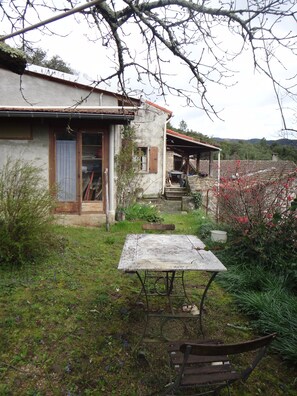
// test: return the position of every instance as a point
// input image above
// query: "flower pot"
(218, 236)
(120, 215)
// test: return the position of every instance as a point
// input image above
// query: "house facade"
(73, 132)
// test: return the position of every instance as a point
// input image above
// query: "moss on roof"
(12, 59)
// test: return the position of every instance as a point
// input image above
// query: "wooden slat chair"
(209, 366)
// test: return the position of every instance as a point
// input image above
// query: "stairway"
(175, 193)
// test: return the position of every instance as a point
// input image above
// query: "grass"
(69, 324)
(268, 300)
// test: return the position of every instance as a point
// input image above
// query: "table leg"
(169, 279)
(202, 301)
(184, 288)
(144, 291)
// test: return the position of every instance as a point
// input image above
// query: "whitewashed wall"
(150, 125)
(35, 150)
(38, 91)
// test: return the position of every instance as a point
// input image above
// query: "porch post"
(218, 187)
(210, 169)
(164, 159)
(111, 155)
(198, 163)
(187, 164)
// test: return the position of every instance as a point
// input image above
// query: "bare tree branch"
(151, 42)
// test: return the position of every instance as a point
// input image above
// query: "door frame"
(78, 206)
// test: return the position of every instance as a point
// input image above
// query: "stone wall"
(207, 187)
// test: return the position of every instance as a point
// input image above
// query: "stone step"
(175, 193)
(182, 189)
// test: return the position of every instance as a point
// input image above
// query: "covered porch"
(183, 159)
(189, 152)
(184, 173)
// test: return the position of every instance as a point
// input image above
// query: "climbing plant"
(127, 165)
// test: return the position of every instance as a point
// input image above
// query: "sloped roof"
(159, 107)
(263, 169)
(179, 143)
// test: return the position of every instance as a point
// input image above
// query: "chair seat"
(218, 376)
(177, 359)
(203, 370)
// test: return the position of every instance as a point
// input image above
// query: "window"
(15, 130)
(143, 157)
(148, 159)
(92, 166)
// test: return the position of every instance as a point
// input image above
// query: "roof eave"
(66, 115)
(193, 142)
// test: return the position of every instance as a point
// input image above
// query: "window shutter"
(153, 164)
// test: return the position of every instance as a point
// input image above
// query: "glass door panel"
(92, 166)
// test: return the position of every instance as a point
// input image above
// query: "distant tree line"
(38, 56)
(244, 149)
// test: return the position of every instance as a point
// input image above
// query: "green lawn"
(69, 324)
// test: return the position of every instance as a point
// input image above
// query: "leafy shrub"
(262, 214)
(25, 213)
(197, 197)
(145, 212)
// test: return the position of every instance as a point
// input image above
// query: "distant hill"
(282, 142)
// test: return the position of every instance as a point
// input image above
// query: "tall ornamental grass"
(274, 310)
(267, 297)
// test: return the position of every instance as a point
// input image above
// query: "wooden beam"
(158, 226)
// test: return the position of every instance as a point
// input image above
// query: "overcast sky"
(247, 110)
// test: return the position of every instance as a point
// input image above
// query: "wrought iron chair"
(207, 367)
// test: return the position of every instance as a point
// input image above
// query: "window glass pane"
(92, 139)
(92, 166)
(142, 154)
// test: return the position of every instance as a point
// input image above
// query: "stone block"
(187, 204)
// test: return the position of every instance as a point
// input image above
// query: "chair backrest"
(227, 349)
(258, 345)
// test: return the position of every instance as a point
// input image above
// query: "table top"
(157, 252)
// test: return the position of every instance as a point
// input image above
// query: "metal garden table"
(165, 259)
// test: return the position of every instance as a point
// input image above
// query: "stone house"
(73, 131)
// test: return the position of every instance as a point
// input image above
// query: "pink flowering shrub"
(261, 209)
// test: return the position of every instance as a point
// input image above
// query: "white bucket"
(218, 236)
